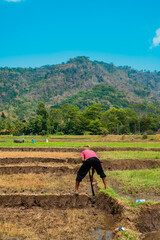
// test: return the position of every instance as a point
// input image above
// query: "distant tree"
(19, 127)
(56, 120)
(42, 118)
(95, 127)
(145, 123)
(3, 116)
(42, 111)
(94, 111)
(71, 115)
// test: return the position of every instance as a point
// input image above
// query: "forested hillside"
(79, 81)
(102, 93)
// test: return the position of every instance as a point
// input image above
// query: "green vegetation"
(105, 94)
(80, 82)
(68, 119)
(130, 155)
(136, 182)
(110, 191)
(82, 141)
(127, 235)
(80, 96)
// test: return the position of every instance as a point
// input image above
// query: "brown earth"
(17, 160)
(26, 205)
(109, 204)
(74, 149)
(39, 224)
(62, 201)
(43, 203)
(37, 169)
(130, 164)
(70, 158)
(26, 154)
(45, 164)
(33, 207)
(41, 149)
(149, 218)
(31, 165)
(56, 183)
(142, 219)
(61, 166)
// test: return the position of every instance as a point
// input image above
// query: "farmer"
(89, 159)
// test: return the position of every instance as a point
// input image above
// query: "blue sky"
(40, 32)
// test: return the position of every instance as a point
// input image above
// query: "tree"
(3, 116)
(145, 123)
(56, 120)
(42, 118)
(94, 111)
(95, 127)
(42, 111)
(71, 116)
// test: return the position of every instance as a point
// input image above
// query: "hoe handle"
(91, 184)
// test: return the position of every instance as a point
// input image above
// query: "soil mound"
(37, 169)
(45, 201)
(75, 149)
(149, 218)
(130, 164)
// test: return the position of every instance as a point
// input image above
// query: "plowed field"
(39, 154)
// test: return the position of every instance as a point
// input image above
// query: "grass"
(80, 144)
(9, 230)
(130, 154)
(50, 224)
(41, 184)
(127, 235)
(76, 141)
(42, 164)
(110, 191)
(135, 182)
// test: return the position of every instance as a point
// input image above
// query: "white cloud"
(156, 39)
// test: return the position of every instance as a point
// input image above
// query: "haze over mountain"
(79, 81)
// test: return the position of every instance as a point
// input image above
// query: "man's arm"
(82, 157)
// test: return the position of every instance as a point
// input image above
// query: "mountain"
(102, 93)
(79, 81)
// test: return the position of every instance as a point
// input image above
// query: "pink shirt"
(88, 154)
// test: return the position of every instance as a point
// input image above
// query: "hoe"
(93, 194)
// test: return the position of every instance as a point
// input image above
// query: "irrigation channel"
(35, 195)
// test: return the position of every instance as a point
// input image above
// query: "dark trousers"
(84, 169)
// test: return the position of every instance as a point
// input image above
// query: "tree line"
(69, 119)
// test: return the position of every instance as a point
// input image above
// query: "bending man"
(89, 159)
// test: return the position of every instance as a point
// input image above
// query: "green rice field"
(74, 141)
(129, 155)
